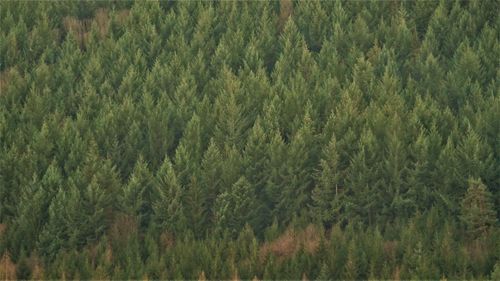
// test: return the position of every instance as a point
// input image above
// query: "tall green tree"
(236, 207)
(168, 210)
(136, 197)
(477, 209)
(328, 193)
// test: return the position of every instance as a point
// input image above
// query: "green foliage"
(235, 207)
(326, 196)
(477, 209)
(168, 210)
(163, 140)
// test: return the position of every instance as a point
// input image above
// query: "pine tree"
(466, 70)
(487, 52)
(168, 211)
(420, 172)
(395, 167)
(363, 78)
(267, 40)
(312, 20)
(255, 86)
(327, 195)
(189, 152)
(423, 13)
(33, 211)
(255, 159)
(231, 122)
(61, 230)
(136, 197)
(448, 179)
(364, 201)
(235, 207)
(477, 209)
(295, 59)
(196, 207)
(475, 158)
(298, 181)
(211, 176)
(351, 265)
(360, 33)
(95, 203)
(275, 169)
(232, 165)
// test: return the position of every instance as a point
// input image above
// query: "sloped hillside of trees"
(249, 139)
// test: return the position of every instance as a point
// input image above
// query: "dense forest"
(250, 140)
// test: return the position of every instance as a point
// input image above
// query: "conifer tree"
(363, 182)
(235, 207)
(255, 159)
(61, 229)
(351, 265)
(312, 19)
(474, 158)
(297, 177)
(395, 166)
(33, 210)
(294, 56)
(231, 123)
(136, 197)
(168, 211)
(196, 207)
(419, 172)
(95, 203)
(189, 152)
(477, 209)
(327, 195)
(211, 175)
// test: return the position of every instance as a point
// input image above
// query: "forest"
(250, 140)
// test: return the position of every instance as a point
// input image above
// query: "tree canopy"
(248, 139)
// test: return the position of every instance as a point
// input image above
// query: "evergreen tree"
(211, 176)
(33, 212)
(61, 229)
(196, 207)
(168, 211)
(132, 131)
(297, 178)
(231, 123)
(136, 197)
(364, 201)
(478, 212)
(189, 152)
(235, 207)
(95, 203)
(327, 195)
(312, 19)
(255, 159)
(351, 270)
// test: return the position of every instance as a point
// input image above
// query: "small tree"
(478, 212)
